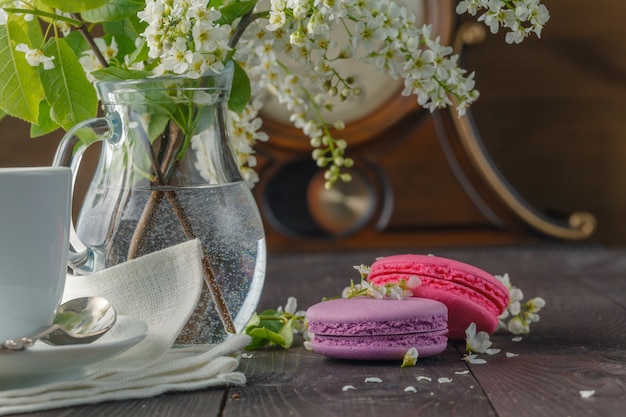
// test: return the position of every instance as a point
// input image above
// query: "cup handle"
(82, 259)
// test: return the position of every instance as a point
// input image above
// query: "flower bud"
(339, 125)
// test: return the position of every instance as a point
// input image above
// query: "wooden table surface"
(579, 345)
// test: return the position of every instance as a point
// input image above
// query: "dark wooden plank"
(302, 383)
(579, 344)
(547, 377)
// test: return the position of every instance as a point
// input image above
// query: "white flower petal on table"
(587, 393)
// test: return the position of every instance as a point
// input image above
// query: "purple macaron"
(367, 328)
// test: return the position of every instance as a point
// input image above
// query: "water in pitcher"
(223, 217)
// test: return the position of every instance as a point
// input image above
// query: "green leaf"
(74, 6)
(71, 95)
(234, 11)
(77, 42)
(240, 92)
(21, 90)
(117, 73)
(268, 335)
(271, 327)
(125, 46)
(140, 54)
(35, 34)
(286, 333)
(114, 10)
(130, 27)
(45, 124)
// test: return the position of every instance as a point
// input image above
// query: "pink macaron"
(471, 294)
(366, 328)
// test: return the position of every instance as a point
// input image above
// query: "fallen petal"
(587, 393)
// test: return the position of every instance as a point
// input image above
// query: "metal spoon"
(78, 321)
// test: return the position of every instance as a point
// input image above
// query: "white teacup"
(34, 236)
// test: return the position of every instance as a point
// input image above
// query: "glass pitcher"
(167, 174)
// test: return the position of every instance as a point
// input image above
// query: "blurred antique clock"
(419, 178)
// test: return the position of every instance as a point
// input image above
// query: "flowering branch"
(82, 28)
(188, 38)
(520, 314)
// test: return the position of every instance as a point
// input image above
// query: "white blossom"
(519, 314)
(35, 57)
(474, 359)
(587, 393)
(187, 38)
(476, 342)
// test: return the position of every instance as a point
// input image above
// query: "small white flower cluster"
(184, 36)
(244, 134)
(17, 5)
(394, 291)
(90, 61)
(522, 313)
(298, 323)
(189, 38)
(35, 57)
(522, 17)
(476, 343)
(291, 307)
(385, 36)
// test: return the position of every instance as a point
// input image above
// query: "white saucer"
(43, 363)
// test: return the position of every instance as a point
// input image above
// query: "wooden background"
(552, 114)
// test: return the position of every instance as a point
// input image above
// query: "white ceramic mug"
(34, 235)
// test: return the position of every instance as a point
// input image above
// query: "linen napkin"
(162, 289)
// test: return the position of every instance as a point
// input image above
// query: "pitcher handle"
(82, 259)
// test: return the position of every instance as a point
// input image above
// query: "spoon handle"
(27, 341)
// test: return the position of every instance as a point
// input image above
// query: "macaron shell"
(471, 294)
(392, 347)
(461, 312)
(444, 270)
(367, 328)
(369, 316)
(445, 287)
